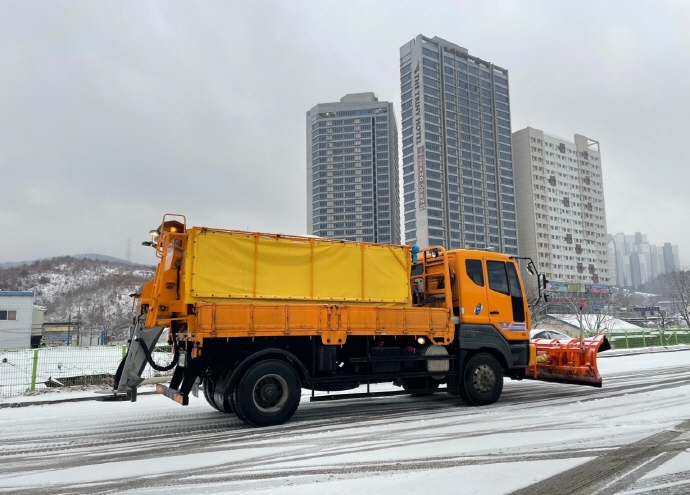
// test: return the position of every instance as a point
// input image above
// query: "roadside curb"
(4, 405)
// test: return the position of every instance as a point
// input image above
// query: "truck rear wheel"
(221, 393)
(209, 387)
(482, 380)
(268, 393)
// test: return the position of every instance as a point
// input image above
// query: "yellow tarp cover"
(243, 265)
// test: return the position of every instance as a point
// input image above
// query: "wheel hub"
(484, 379)
(270, 393)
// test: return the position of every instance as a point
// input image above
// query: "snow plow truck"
(255, 318)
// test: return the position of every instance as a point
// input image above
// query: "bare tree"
(110, 320)
(676, 287)
(620, 301)
(538, 307)
(594, 312)
(594, 316)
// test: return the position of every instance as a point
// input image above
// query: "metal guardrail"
(27, 371)
(634, 339)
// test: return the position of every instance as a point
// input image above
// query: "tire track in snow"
(610, 473)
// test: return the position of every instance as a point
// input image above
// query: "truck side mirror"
(542, 281)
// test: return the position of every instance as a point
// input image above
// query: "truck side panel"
(226, 265)
(332, 323)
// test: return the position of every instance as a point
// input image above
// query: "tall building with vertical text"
(458, 188)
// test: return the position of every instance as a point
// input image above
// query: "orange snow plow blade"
(568, 362)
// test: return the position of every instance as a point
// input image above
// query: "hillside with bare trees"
(91, 291)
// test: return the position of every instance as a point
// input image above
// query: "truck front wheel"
(268, 393)
(482, 380)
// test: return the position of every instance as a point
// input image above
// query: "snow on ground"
(590, 321)
(393, 445)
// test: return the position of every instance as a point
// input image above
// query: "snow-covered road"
(631, 436)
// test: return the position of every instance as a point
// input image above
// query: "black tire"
(221, 393)
(419, 383)
(232, 400)
(209, 387)
(482, 380)
(268, 393)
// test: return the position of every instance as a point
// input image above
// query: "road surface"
(631, 436)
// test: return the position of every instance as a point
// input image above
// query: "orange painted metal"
(333, 323)
(573, 361)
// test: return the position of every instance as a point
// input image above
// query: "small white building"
(16, 317)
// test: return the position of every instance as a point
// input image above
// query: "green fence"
(25, 371)
(637, 338)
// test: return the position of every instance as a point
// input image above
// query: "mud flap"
(135, 360)
(573, 361)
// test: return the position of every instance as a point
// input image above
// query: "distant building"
(561, 208)
(62, 333)
(636, 261)
(458, 187)
(16, 314)
(37, 319)
(671, 258)
(352, 170)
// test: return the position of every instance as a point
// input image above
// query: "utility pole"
(78, 324)
(582, 338)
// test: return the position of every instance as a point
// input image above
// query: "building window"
(430, 53)
(8, 315)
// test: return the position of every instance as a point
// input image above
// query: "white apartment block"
(561, 213)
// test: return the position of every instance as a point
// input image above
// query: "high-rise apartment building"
(458, 187)
(561, 210)
(352, 170)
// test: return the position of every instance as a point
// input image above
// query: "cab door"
(474, 307)
(505, 296)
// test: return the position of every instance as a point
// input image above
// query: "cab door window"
(498, 280)
(516, 294)
(475, 271)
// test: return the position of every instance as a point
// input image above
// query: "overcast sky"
(114, 113)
